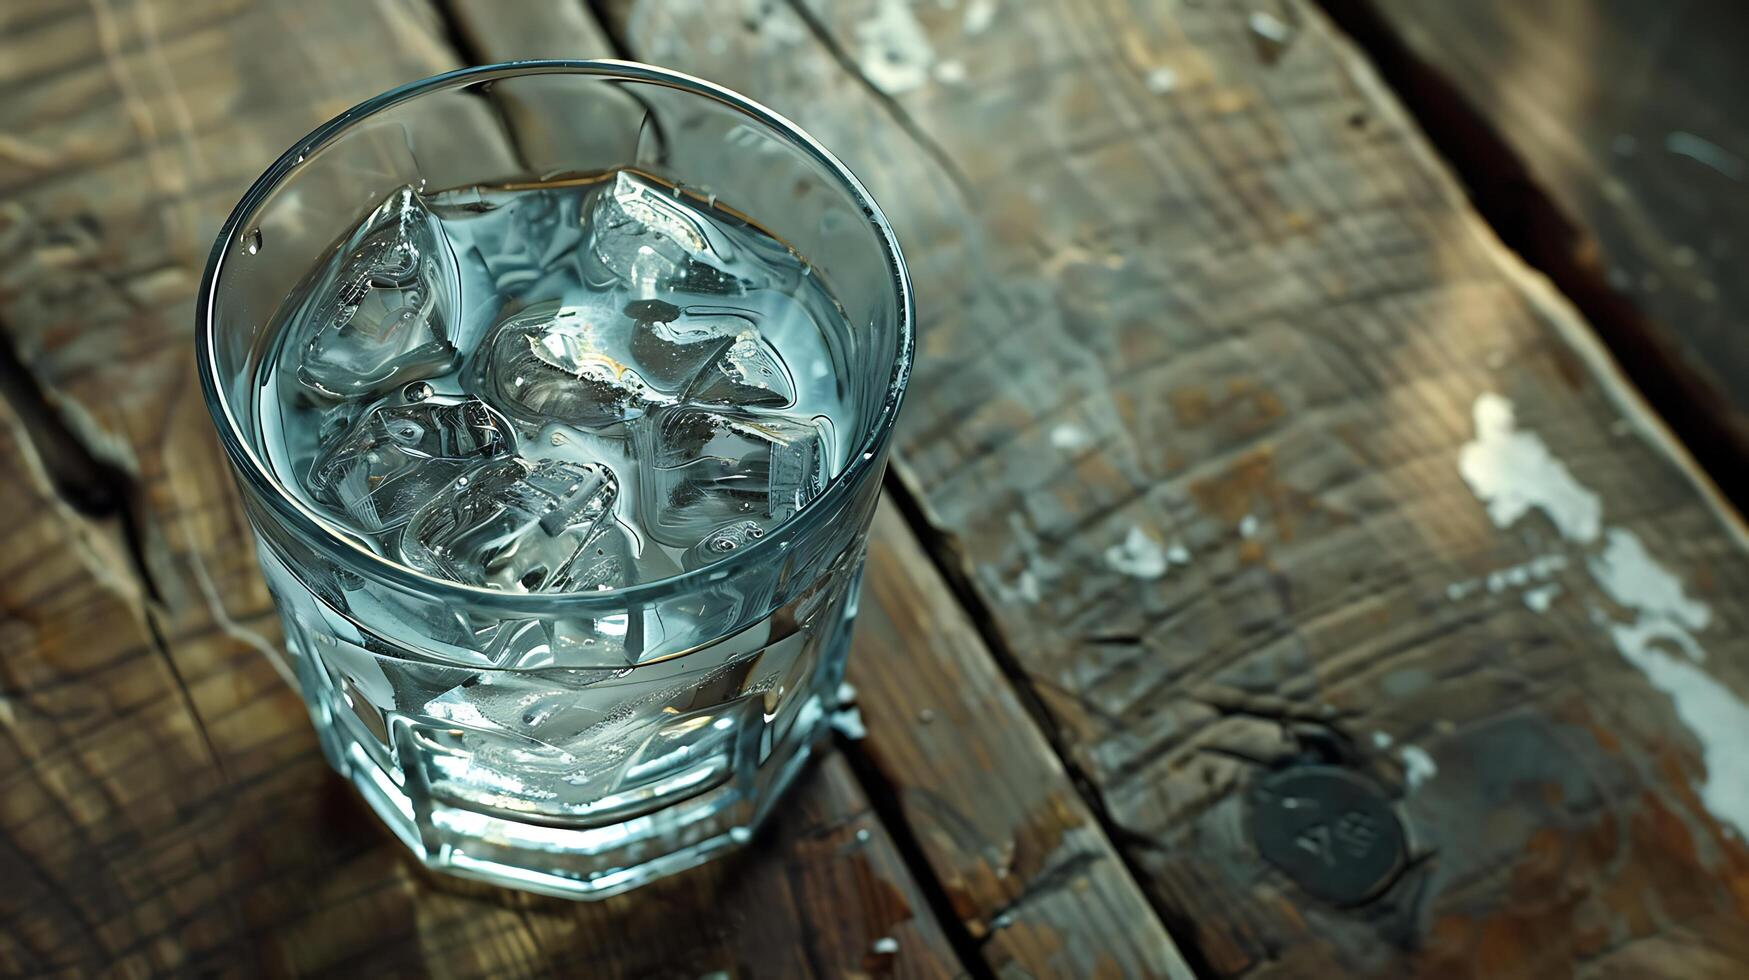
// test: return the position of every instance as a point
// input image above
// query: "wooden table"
(1243, 467)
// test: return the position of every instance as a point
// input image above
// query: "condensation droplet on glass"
(252, 241)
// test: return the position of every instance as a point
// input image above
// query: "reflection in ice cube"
(649, 237)
(564, 363)
(512, 525)
(384, 314)
(394, 457)
(747, 373)
(672, 348)
(704, 468)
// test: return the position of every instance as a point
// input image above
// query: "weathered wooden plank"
(516, 32)
(1628, 116)
(1266, 459)
(1025, 865)
(1024, 862)
(165, 809)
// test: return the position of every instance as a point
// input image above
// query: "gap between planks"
(880, 792)
(1529, 223)
(879, 789)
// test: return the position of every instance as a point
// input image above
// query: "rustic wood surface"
(165, 807)
(1237, 448)
(1631, 117)
(1210, 342)
(1032, 880)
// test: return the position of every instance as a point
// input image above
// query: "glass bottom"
(575, 782)
(574, 862)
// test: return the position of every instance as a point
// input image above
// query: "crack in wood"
(884, 800)
(95, 488)
(938, 546)
(1058, 876)
(610, 27)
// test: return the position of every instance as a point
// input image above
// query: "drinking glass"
(683, 706)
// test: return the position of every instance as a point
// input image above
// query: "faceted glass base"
(576, 782)
(575, 862)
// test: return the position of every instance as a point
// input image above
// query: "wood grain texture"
(1630, 117)
(1026, 868)
(165, 810)
(1025, 863)
(1209, 343)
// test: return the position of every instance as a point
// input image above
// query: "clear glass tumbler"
(684, 705)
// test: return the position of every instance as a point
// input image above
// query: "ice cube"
(562, 363)
(549, 710)
(670, 347)
(704, 468)
(712, 355)
(748, 373)
(393, 457)
(512, 525)
(540, 643)
(611, 561)
(384, 315)
(652, 237)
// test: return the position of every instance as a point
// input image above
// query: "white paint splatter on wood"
(1513, 472)
(1418, 766)
(1248, 526)
(1038, 571)
(1630, 576)
(1540, 598)
(1161, 80)
(1069, 436)
(1514, 576)
(779, 30)
(980, 14)
(895, 54)
(848, 723)
(886, 944)
(1270, 27)
(1138, 556)
(1716, 716)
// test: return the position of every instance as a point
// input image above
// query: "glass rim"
(335, 544)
